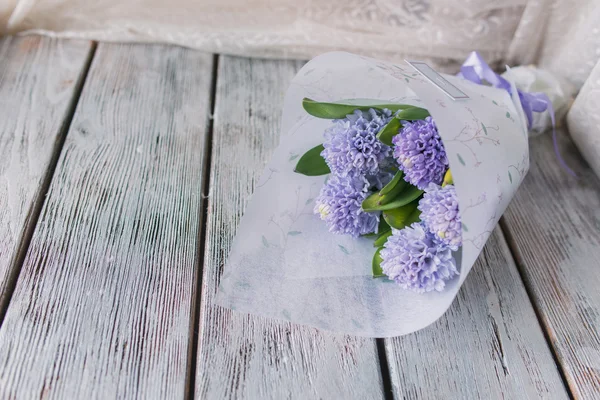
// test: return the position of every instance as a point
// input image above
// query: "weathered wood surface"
(553, 226)
(105, 300)
(103, 304)
(488, 345)
(38, 80)
(244, 356)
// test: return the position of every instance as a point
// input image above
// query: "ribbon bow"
(476, 70)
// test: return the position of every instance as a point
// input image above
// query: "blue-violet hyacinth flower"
(417, 260)
(439, 213)
(351, 144)
(339, 205)
(420, 152)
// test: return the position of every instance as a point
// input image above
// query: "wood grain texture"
(103, 304)
(243, 356)
(488, 345)
(553, 226)
(38, 77)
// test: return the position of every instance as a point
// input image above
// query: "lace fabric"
(442, 32)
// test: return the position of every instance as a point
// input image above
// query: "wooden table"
(124, 172)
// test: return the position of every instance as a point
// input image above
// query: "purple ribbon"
(476, 70)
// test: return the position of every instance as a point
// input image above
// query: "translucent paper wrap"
(285, 264)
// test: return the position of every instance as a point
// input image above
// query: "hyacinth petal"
(440, 214)
(416, 260)
(351, 145)
(420, 153)
(339, 205)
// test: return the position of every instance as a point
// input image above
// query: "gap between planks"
(512, 247)
(384, 366)
(195, 312)
(36, 207)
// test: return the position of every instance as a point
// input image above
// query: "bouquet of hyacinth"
(389, 179)
(374, 229)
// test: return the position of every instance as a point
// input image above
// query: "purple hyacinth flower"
(351, 144)
(339, 204)
(417, 260)
(439, 213)
(420, 153)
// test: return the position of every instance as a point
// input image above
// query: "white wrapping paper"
(285, 264)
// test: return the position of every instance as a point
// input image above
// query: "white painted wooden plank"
(553, 226)
(38, 77)
(243, 356)
(103, 304)
(488, 345)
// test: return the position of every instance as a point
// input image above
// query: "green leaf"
(377, 200)
(507, 114)
(460, 159)
(464, 227)
(386, 133)
(294, 233)
(510, 176)
(377, 271)
(484, 129)
(311, 163)
(413, 113)
(393, 194)
(373, 202)
(380, 241)
(340, 110)
(383, 227)
(293, 157)
(265, 242)
(400, 217)
(386, 189)
(407, 196)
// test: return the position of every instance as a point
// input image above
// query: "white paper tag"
(438, 80)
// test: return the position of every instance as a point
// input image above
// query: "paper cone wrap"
(285, 264)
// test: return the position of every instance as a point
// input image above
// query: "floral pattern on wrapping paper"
(474, 133)
(285, 221)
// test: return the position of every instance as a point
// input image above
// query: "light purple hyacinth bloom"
(439, 213)
(339, 205)
(417, 260)
(420, 153)
(351, 144)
